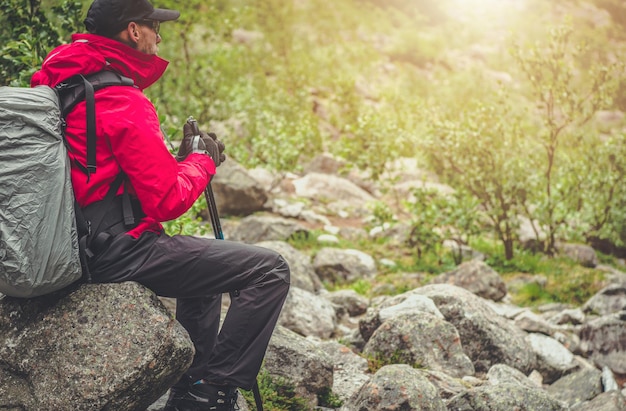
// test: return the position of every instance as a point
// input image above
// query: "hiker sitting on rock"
(124, 37)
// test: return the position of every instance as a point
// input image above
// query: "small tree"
(603, 209)
(436, 217)
(567, 97)
(482, 151)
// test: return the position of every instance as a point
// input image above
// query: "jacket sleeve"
(165, 188)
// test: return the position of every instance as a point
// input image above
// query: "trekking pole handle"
(208, 192)
(194, 126)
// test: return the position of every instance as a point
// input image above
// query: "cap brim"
(163, 15)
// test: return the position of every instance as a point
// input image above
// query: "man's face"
(149, 39)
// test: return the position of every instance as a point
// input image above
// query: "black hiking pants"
(197, 271)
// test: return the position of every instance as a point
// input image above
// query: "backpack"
(43, 233)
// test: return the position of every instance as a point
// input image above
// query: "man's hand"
(203, 143)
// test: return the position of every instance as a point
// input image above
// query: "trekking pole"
(217, 230)
(208, 192)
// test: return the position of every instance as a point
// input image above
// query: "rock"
(577, 387)
(349, 301)
(476, 277)
(95, 347)
(412, 303)
(608, 380)
(487, 338)
(308, 314)
(609, 300)
(462, 251)
(608, 401)
(325, 163)
(581, 253)
(236, 191)
(574, 316)
(350, 370)
(406, 303)
(553, 359)
(503, 374)
(504, 397)
(300, 362)
(396, 387)
(506, 310)
(257, 228)
(532, 323)
(325, 186)
(302, 273)
(603, 340)
(420, 339)
(447, 386)
(337, 265)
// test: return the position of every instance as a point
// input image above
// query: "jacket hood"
(90, 53)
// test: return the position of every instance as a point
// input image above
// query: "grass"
(277, 394)
(562, 280)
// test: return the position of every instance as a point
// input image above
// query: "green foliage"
(329, 399)
(277, 393)
(361, 286)
(601, 213)
(567, 283)
(190, 223)
(437, 217)
(372, 139)
(381, 215)
(566, 101)
(523, 261)
(27, 34)
(482, 151)
(378, 360)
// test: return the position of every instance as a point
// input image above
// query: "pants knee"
(281, 269)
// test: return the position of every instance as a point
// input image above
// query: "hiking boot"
(203, 397)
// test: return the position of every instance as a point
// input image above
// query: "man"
(124, 37)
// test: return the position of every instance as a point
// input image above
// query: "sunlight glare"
(489, 12)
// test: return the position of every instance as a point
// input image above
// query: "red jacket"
(129, 138)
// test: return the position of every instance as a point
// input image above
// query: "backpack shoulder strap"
(78, 88)
(74, 90)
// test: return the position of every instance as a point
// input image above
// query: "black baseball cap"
(109, 17)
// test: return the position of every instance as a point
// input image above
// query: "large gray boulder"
(553, 359)
(236, 191)
(95, 347)
(421, 339)
(603, 341)
(336, 265)
(609, 300)
(608, 401)
(308, 314)
(300, 266)
(581, 253)
(300, 362)
(257, 228)
(389, 307)
(396, 387)
(577, 387)
(505, 397)
(351, 370)
(477, 277)
(487, 338)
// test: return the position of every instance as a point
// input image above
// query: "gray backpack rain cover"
(38, 239)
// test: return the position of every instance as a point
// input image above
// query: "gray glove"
(204, 143)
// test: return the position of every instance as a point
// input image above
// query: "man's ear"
(130, 35)
(133, 31)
